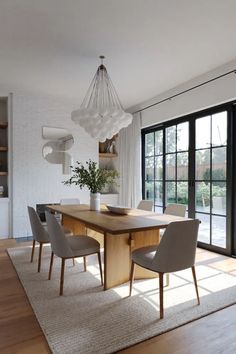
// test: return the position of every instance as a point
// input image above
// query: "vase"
(95, 201)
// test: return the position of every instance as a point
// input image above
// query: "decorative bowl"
(118, 209)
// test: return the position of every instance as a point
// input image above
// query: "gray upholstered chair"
(175, 209)
(175, 252)
(40, 234)
(69, 247)
(145, 205)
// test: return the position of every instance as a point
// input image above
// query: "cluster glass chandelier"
(101, 113)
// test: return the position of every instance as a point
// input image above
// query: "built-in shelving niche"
(4, 145)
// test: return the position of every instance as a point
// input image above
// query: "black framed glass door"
(188, 161)
(211, 178)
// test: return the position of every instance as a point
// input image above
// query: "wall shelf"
(3, 148)
(3, 173)
(107, 155)
(3, 125)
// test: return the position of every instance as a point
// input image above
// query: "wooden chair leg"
(131, 278)
(51, 264)
(40, 255)
(161, 294)
(32, 253)
(100, 265)
(195, 283)
(85, 265)
(62, 275)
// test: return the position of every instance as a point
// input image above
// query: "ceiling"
(52, 46)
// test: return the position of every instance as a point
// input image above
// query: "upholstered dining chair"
(40, 234)
(175, 252)
(69, 247)
(175, 209)
(145, 205)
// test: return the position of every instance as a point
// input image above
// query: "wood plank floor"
(20, 332)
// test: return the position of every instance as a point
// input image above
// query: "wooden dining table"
(118, 234)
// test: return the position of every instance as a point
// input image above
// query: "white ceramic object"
(95, 201)
(119, 209)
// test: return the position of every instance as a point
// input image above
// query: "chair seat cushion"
(144, 256)
(83, 245)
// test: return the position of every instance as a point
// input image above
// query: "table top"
(104, 220)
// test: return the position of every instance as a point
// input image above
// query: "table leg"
(116, 260)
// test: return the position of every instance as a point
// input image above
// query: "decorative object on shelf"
(101, 113)
(1, 191)
(92, 177)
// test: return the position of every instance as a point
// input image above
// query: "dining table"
(118, 234)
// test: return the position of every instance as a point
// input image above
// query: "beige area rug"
(89, 320)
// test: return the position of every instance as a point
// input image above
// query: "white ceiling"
(52, 46)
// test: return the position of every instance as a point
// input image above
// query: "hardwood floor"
(20, 332)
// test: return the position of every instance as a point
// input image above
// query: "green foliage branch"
(91, 176)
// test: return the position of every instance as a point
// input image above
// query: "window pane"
(203, 165)
(219, 198)
(158, 210)
(149, 190)
(203, 132)
(182, 165)
(202, 197)
(219, 129)
(170, 192)
(149, 168)
(171, 139)
(219, 231)
(158, 193)
(219, 163)
(149, 144)
(182, 193)
(158, 167)
(159, 142)
(182, 137)
(170, 166)
(204, 228)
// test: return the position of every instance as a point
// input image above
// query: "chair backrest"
(59, 243)
(40, 234)
(68, 201)
(175, 209)
(177, 248)
(145, 205)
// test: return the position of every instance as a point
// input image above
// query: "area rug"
(89, 320)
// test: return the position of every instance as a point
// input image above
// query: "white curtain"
(129, 152)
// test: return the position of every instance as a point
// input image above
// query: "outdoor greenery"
(91, 176)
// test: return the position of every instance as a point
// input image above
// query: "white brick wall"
(34, 179)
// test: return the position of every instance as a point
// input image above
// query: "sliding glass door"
(187, 161)
(211, 178)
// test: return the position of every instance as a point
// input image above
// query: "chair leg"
(85, 265)
(195, 283)
(32, 253)
(73, 260)
(62, 275)
(100, 265)
(40, 255)
(51, 264)
(131, 278)
(161, 294)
